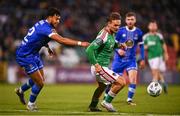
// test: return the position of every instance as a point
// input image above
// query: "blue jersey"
(131, 38)
(36, 38)
(27, 54)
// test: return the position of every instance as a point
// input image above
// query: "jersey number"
(30, 32)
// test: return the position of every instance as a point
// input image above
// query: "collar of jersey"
(46, 21)
(134, 28)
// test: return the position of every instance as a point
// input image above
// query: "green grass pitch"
(73, 99)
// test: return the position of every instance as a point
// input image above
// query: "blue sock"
(34, 93)
(27, 85)
(107, 88)
(131, 91)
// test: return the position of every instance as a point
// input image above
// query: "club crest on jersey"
(129, 43)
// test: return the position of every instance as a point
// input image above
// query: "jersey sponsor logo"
(151, 43)
(129, 43)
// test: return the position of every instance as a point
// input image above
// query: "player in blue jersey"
(125, 59)
(27, 54)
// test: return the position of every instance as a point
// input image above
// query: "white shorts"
(106, 76)
(157, 63)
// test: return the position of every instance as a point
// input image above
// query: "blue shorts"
(119, 67)
(30, 63)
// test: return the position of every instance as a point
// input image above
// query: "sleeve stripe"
(51, 34)
(145, 36)
(103, 35)
(160, 35)
(141, 43)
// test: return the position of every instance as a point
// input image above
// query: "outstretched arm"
(68, 41)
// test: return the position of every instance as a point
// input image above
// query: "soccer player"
(157, 53)
(28, 58)
(99, 54)
(125, 59)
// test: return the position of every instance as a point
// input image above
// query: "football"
(154, 89)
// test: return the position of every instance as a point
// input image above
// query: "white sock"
(111, 94)
(20, 90)
(30, 103)
(129, 99)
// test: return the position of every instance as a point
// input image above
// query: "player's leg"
(115, 88)
(42, 72)
(97, 93)
(107, 90)
(20, 91)
(95, 98)
(39, 79)
(132, 86)
(162, 69)
(118, 82)
(155, 74)
(154, 65)
(163, 83)
(36, 88)
(117, 67)
(24, 63)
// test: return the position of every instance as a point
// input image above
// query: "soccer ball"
(154, 89)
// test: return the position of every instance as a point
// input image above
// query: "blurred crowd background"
(82, 19)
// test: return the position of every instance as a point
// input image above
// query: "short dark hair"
(114, 16)
(153, 21)
(129, 14)
(52, 11)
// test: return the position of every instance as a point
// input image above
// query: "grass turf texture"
(73, 99)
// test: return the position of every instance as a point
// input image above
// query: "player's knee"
(101, 87)
(121, 82)
(40, 84)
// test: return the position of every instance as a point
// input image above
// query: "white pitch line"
(83, 113)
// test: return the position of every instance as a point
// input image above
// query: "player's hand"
(51, 52)
(142, 64)
(97, 68)
(121, 52)
(123, 46)
(166, 56)
(85, 44)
